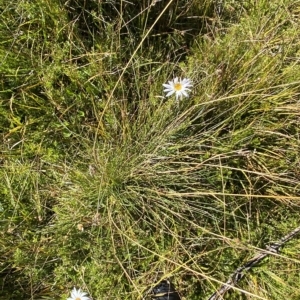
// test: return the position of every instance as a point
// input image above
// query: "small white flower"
(78, 295)
(178, 86)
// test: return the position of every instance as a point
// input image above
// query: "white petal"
(170, 93)
(167, 85)
(74, 294)
(185, 93)
(187, 82)
(177, 96)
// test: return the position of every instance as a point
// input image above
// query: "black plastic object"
(165, 290)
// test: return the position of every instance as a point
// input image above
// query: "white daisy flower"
(78, 295)
(178, 86)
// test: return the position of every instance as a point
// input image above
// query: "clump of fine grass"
(110, 187)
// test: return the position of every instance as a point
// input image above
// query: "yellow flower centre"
(78, 298)
(178, 86)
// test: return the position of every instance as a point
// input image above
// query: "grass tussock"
(110, 187)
